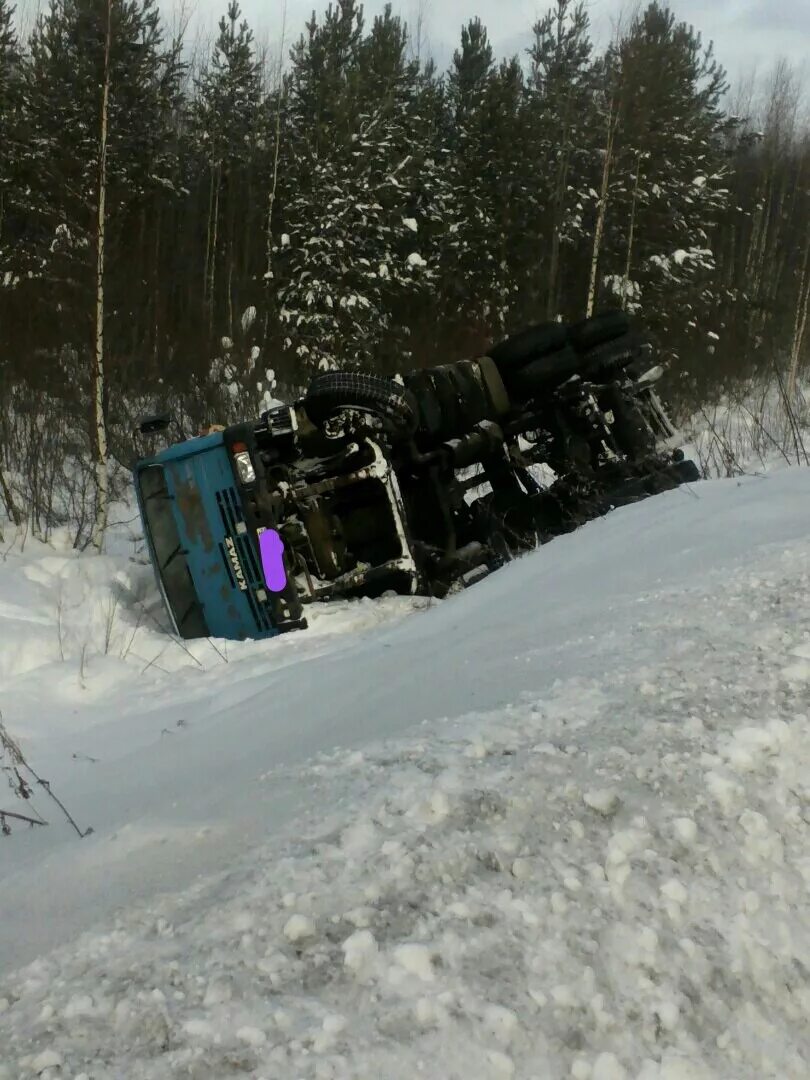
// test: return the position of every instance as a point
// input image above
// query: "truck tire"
(529, 344)
(603, 327)
(688, 472)
(609, 356)
(545, 372)
(475, 405)
(334, 391)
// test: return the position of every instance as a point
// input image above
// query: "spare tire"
(475, 405)
(545, 373)
(612, 355)
(334, 391)
(527, 345)
(603, 327)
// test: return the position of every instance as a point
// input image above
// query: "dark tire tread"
(327, 394)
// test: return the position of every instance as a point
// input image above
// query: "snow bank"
(757, 429)
(598, 867)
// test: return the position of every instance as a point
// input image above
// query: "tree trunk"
(271, 200)
(800, 324)
(8, 499)
(99, 433)
(558, 204)
(630, 235)
(212, 269)
(600, 217)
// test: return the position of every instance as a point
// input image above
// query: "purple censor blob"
(271, 547)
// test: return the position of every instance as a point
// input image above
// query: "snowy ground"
(554, 826)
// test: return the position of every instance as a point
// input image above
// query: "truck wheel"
(475, 404)
(612, 355)
(541, 374)
(604, 327)
(688, 472)
(335, 391)
(536, 341)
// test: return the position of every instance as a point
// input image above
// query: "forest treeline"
(204, 232)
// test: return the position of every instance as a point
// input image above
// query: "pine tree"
(668, 188)
(227, 127)
(357, 183)
(561, 105)
(10, 99)
(471, 284)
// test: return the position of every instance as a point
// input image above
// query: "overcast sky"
(746, 33)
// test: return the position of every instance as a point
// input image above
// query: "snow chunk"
(669, 1015)
(48, 1059)
(435, 809)
(299, 928)
(218, 992)
(798, 672)
(675, 891)
(252, 1036)
(747, 748)
(334, 1024)
(79, 1005)
(415, 259)
(199, 1029)
(608, 1067)
(726, 791)
(674, 1067)
(685, 830)
(416, 960)
(502, 1065)
(359, 950)
(410, 223)
(605, 801)
(502, 1022)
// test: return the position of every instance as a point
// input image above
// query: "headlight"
(244, 466)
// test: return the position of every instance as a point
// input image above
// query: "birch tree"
(99, 445)
(99, 88)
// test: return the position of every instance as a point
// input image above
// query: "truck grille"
(169, 554)
(233, 521)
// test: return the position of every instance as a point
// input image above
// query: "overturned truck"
(417, 484)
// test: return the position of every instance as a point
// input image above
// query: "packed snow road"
(554, 826)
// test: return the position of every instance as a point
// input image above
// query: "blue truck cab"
(202, 523)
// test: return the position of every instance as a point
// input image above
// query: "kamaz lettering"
(236, 566)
